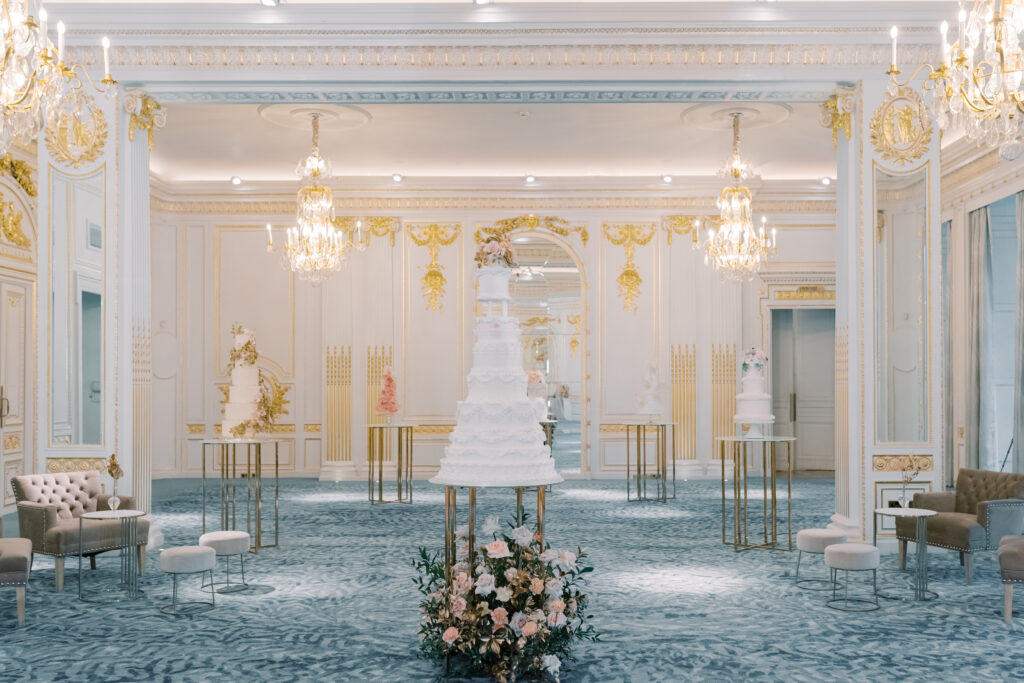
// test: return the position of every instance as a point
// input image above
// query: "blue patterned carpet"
(671, 602)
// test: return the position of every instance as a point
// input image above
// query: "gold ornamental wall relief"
(20, 171)
(629, 236)
(836, 113)
(79, 138)
(433, 236)
(552, 224)
(10, 225)
(144, 113)
(901, 128)
(372, 226)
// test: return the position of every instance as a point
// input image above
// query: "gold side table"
(378, 448)
(742, 451)
(549, 432)
(637, 474)
(225, 451)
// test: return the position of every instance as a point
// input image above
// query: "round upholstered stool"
(228, 544)
(189, 559)
(815, 541)
(853, 557)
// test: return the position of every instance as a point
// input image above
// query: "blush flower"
(485, 584)
(536, 586)
(557, 606)
(554, 588)
(556, 619)
(500, 617)
(463, 582)
(510, 574)
(566, 561)
(498, 549)
(549, 555)
(503, 594)
(450, 635)
(530, 628)
(517, 622)
(459, 607)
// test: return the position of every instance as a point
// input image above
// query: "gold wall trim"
(806, 293)
(273, 429)
(836, 113)
(195, 429)
(311, 428)
(682, 226)
(433, 236)
(375, 226)
(629, 236)
(723, 392)
(433, 429)
(338, 400)
(21, 172)
(898, 463)
(901, 127)
(552, 224)
(614, 428)
(12, 442)
(145, 113)
(61, 465)
(684, 400)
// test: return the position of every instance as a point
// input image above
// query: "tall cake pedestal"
(756, 430)
(742, 451)
(378, 448)
(224, 454)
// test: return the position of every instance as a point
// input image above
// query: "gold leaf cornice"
(433, 236)
(552, 224)
(145, 113)
(20, 171)
(629, 236)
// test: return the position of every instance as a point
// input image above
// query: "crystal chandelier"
(977, 86)
(736, 249)
(37, 84)
(316, 247)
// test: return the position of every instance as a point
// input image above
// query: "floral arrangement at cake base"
(517, 614)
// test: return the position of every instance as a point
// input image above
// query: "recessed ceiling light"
(826, 181)
(482, 2)
(397, 177)
(530, 179)
(270, 3)
(235, 180)
(666, 179)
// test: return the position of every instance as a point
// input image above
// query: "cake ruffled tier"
(492, 283)
(754, 404)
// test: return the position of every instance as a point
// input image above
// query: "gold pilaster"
(377, 359)
(684, 400)
(723, 390)
(338, 408)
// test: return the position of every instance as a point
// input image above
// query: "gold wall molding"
(379, 226)
(629, 236)
(10, 226)
(62, 465)
(574, 343)
(433, 429)
(537, 321)
(682, 226)
(723, 392)
(433, 236)
(836, 113)
(78, 141)
(311, 428)
(21, 172)
(12, 442)
(898, 463)
(338, 404)
(609, 201)
(145, 113)
(195, 429)
(552, 224)
(806, 293)
(684, 400)
(614, 428)
(901, 127)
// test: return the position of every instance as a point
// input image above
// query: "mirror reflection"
(547, 299)
(901, 308)
(77, 220)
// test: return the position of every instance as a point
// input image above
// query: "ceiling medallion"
(901, 128)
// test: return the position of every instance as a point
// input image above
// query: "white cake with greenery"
(497, 440)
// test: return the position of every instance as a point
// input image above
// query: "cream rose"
(498, 549)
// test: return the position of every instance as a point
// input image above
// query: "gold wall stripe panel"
(629, 236)
(338, 383)
(723, 392)
(684, 400)
(377, 359)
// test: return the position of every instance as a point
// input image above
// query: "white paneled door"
(16, 383)
(803, 383)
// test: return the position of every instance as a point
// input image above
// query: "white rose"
(462, 531)
(549, 555)
(554, 588)
(503, 594)
(556, 619)
(566, 561)
(522, 535)
(551, 664)
(484, 584)
(517, 621)
(510, 574)
(491, 525)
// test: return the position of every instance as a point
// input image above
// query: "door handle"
(792, 407)
(5, 407)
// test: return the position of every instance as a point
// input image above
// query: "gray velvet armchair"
(49, 506)
(984, 507)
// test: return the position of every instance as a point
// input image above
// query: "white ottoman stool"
(815, 541)
(853, 557)
(189, 559)
(228, 544)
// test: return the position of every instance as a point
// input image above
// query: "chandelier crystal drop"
(37, 84)
(316, 247)
(977, 86)
(736, 249)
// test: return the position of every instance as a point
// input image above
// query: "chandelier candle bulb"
(893, 33)
(60, 42)
(106, 58)
(42, 29)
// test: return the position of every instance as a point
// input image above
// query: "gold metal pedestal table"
(637, 472)
(378, 447)
(742, 452)
(225, 452)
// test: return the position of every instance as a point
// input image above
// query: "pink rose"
(450, 635)
(556, 619)
(459, 607)
(557, 606)
(463, 582)
(530, 628)
(497, 549)
(499, 617)
(536, 586)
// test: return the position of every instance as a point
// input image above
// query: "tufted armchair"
(984, 507)
(49, 506)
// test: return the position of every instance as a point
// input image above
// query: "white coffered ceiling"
(212, 142)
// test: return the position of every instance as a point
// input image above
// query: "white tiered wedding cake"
(244, 392)
(754, 404)
(497, 440)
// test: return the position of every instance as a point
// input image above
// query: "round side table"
(920, 516)
(129, 520)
